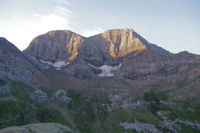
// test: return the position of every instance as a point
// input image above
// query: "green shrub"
(20, 89)
(154, 98)
(82, 110)
(20, 112)
(151, 96)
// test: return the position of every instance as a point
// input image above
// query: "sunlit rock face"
(55, 45)
(111, 46)
(105, 48)
(122, 42)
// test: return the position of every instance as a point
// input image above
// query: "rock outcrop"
(39, 128)
(14, 64)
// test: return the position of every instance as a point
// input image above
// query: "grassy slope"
(20, 110)
(88, 112)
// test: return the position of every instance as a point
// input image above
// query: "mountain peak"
(4, 43)
(54, 32)
(56, 45)
(3, 38)
(119, 30)
(122, 42)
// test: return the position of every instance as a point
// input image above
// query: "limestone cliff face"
(122, 42)
(105, 48)
(55, 45)
(111, 46)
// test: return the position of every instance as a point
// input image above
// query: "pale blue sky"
(171, 24)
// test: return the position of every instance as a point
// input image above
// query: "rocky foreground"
(39, 128)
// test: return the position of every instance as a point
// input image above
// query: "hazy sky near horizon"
(171, 24)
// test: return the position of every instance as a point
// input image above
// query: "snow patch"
(106, 71)
(46, 62)
(58, 65)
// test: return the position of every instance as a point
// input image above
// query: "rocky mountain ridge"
(109, 45)
(15, 65)
(59, 58)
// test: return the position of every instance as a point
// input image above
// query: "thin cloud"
(92, 32)
(22, 30)
(63, 1)
(62, 11)
(58, 19)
